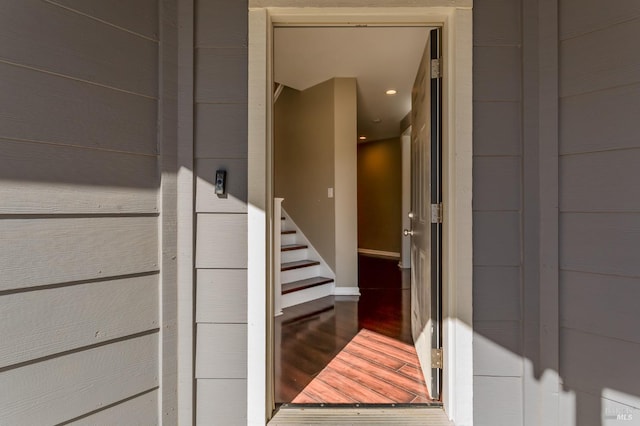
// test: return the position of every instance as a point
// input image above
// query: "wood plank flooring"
(372, 369)
(336, 340)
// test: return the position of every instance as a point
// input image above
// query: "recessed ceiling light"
(391, 92)
(362, 138)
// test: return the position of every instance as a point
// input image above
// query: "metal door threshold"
(371, 416)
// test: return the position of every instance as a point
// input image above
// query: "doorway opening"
(354, 328)
(455, 19)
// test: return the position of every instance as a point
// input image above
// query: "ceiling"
(380, 58)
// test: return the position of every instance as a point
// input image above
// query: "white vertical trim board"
(456, 20)
(259, 28)
(457, 231)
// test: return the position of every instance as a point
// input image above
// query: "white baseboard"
(379, 253)
(346, 291)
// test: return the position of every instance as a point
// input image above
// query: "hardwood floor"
(351, 336)
(373, 369)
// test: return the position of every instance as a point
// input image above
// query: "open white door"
(425, 216)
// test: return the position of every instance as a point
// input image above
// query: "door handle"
(407, 232)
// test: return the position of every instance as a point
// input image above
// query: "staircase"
(304, 276)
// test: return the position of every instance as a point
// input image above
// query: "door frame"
(455, 17)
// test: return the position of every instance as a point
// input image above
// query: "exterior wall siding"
(221, 243)
(497, 213)
(88, 130)
(599, 208)
(79, 241)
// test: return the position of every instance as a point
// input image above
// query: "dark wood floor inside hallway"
(352, 350)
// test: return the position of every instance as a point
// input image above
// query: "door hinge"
(436, 358)
(436, 213)
(436, 68)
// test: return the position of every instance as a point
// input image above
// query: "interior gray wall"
(380, 195)
(82, 188)
(304, 163)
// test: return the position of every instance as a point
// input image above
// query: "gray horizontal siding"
(85, 314)
(497, 348)
(605, 305)
(581, 362)
(219, 128)
(140, 410)
(495, 290)
(616, 64)
(68, 386)
(498, 183)
(497, 23)
(600, 222)
(497, 204)
(586, 409)
(496, 238)
(43, 107)
(594, 182)
(583, 116)
(496, 128)
(221, 241)
(602, 243)
(37, 252)
(579, 17)
(497, 401)
(221, 75)
(103, 54)
(86, 181)
(216, 29)
(221, 352)
(496, 73)
(222, 296)
(79, 179)
(222, 401)
(138, 17)
(235, 200)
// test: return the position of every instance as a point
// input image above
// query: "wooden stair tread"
(298, 264)
(290, 247)
(304, 284)
(291, 231)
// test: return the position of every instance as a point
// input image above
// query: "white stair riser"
(300, 274)
(307, 295)
(288, 239)
(294, 255)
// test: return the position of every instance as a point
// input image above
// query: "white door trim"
(456, 19)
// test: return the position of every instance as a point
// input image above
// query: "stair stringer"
(323, 269)
(290, 224)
